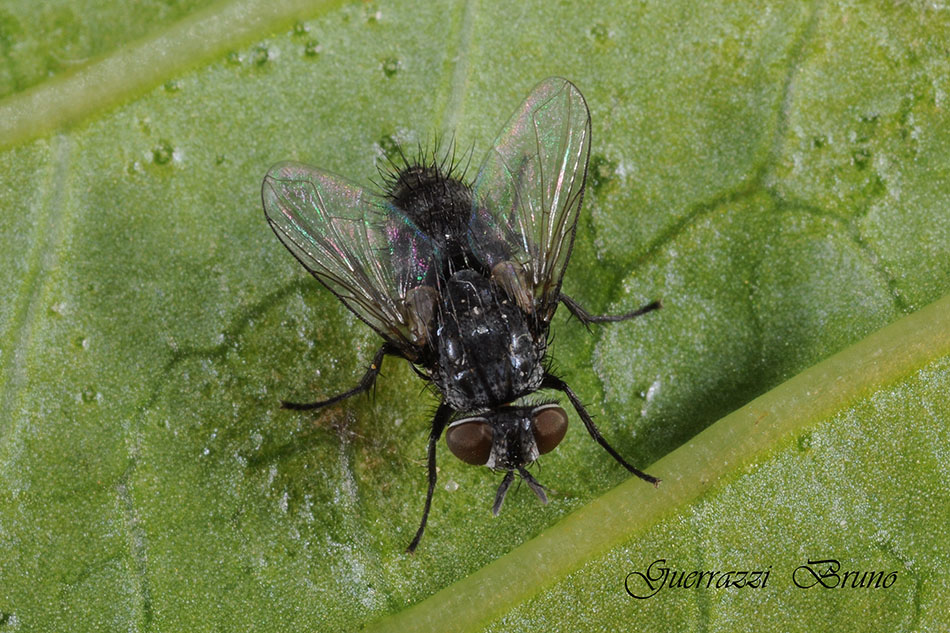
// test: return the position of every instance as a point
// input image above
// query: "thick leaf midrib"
(144, 64)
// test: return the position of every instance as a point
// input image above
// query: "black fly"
(461, 279)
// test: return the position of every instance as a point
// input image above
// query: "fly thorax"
(487, 354)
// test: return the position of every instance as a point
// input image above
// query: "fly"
(461, 279)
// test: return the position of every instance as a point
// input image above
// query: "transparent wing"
(354, 242)
(528, 190)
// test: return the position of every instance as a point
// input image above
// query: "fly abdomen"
(438, 204)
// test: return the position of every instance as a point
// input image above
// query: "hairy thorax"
(487, 353)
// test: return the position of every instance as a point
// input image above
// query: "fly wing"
(529, 189)
(354, 242)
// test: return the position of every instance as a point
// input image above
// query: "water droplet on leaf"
(312, 49)
(162, 153)
(390, 66)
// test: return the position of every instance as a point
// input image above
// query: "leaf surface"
(777, 174)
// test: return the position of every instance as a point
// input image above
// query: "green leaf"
(803, 473)
(777, 174)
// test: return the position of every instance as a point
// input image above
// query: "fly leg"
(442, 415)
(553, 382)
(365, 383)
(586, 318)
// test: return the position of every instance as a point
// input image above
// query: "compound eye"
(470, 440)
(548, 425)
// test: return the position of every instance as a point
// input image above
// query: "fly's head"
(508, 438)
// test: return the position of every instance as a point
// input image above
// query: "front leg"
(553, 382)
(365, 383)
(587, 318)
(442, 415)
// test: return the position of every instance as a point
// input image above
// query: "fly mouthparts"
(533, 483)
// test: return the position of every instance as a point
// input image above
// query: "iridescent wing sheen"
(354, 242)
(529, 189)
